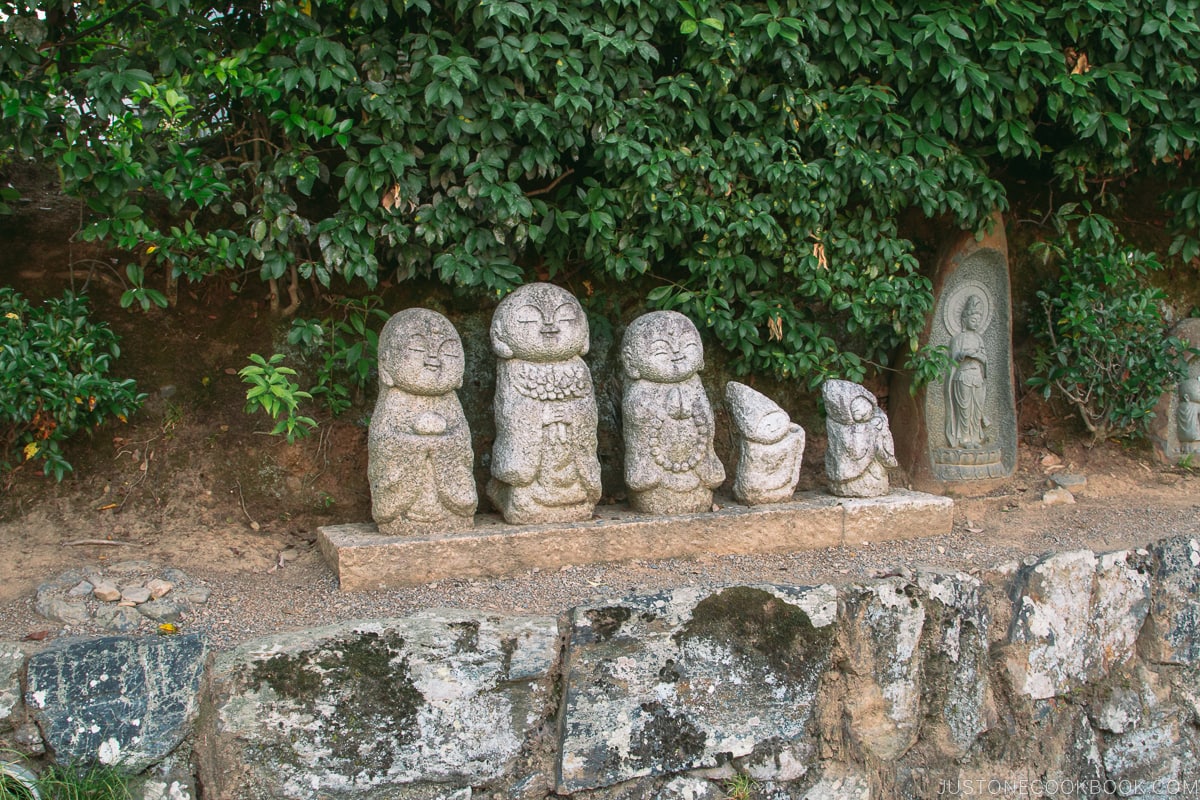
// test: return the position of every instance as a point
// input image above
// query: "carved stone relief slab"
(970, 422)
(962, 427)
(1175, 429)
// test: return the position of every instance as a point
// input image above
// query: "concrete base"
(363, 559)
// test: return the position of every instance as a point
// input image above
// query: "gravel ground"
(302, 593)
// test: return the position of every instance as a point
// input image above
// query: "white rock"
(107, 591)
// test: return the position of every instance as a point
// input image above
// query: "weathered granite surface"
(449, 698)
(691, 679)
(544, 464)
(116, 700)
(1077, 616)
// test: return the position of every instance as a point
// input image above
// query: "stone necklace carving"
(676, 435)
(553, 381)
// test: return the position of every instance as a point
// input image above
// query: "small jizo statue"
(670, 464)
(770, 447)
(860, 448)
(419, 447)
(544, 464)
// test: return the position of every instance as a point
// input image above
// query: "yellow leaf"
(306, 7)
(31, 450)
(168, 629)
(11, 315)
(78, 400)
(151, 249)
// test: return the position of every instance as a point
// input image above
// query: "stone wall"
(1077, 673)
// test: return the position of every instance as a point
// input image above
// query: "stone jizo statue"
(1187, 415)
(860, 448)
(770, 447)
(419, 447)
(966, 388)
(670, 464)
(544, 464)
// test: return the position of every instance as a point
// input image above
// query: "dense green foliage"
(1103, 343)
(54, 379)
(758, 162)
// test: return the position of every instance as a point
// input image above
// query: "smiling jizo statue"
(670, 464)
(419, 447)
(544, 464)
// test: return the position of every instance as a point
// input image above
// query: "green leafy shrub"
(757, 165)
(1102, 343)
(273, 391)
(344, 347)
(71, 782)
(54, 379)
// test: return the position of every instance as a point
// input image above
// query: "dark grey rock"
(161, 611)
(955, 660)
(691, 679)
(116, 700)
(1174, 630)
(1069, 480)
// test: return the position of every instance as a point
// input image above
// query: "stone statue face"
(972, 314)
(1189, 390)
(861, 409)
(420, 352)
(772, 426)
(662, 347)
(539, 322)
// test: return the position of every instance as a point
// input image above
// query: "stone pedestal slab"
(363, 559)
